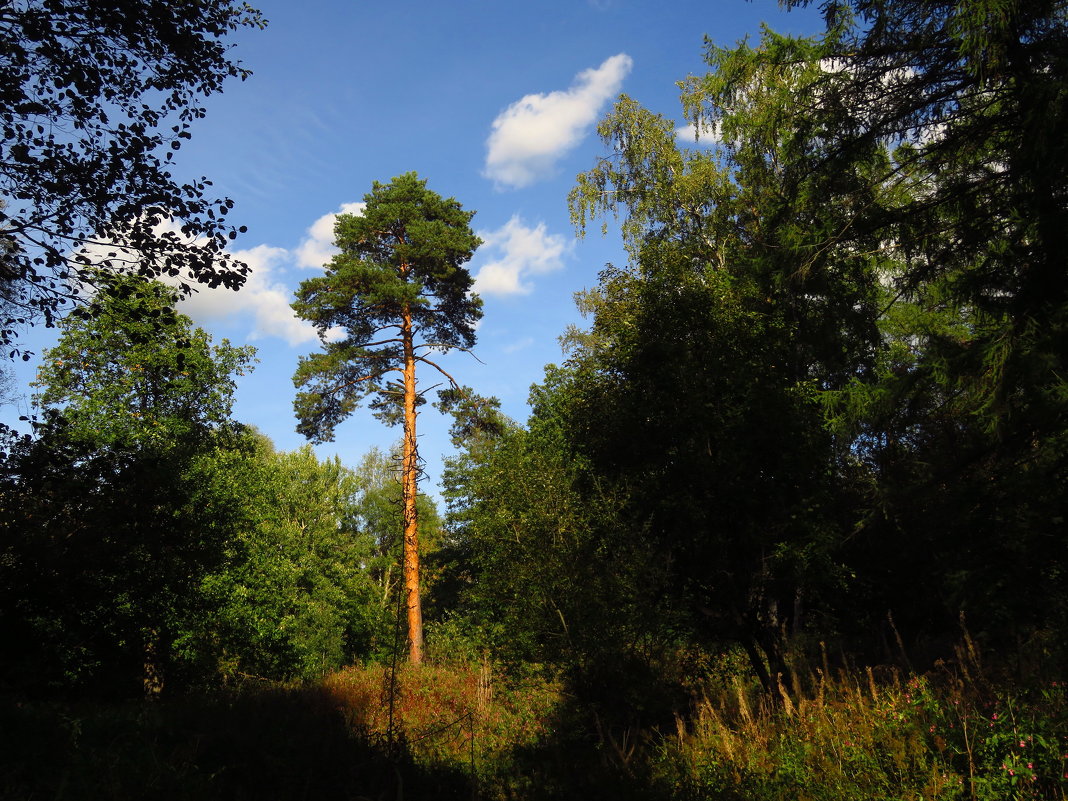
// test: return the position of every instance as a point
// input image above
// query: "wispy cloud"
(705, 135)
(519, 345)
(317, 248)
(518, 252)
(532, 134)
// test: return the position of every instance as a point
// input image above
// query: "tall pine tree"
(396, 293)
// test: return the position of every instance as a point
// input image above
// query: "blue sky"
(494, 103)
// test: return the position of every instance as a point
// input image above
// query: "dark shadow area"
(267, 744)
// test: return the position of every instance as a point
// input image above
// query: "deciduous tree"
(887, 200)
(135, 374)
(95, 99)
(104, 545)
(294, 596)
(963, 418)
(701, 374)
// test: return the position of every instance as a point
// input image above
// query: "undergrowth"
(860, 735)
(457, 717)
(464, 732)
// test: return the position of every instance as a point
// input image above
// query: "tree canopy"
(401, 258)
(107, 527)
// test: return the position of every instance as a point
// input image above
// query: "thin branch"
(367, 356)
(425, 360)
(380, 342)
(443, 347)
(369, 377)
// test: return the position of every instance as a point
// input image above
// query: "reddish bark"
(409, 490)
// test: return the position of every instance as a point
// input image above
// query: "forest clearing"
(786, 521)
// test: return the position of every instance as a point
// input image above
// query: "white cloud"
(111, 250)
(263, 296)
(533, 133)
(317, 248)
(518, 253)
(267, 292)
(707, 135)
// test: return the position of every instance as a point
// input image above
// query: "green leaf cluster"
(295, 595)
(134, 373)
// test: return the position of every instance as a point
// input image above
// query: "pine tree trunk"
(409, 489)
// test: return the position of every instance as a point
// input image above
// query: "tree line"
(149, 537)
(821, 408)
(823, 404)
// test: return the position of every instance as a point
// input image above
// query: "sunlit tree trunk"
(409, 483)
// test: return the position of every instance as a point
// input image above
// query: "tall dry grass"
(873, 735)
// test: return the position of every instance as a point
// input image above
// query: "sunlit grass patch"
(459, 715)
(853, 736)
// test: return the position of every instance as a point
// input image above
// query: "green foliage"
(544, 577)
(144, 528)
(108, 526)
(882, 202)
(96, 100)
(698, 388)
(688, 401)
(135, 374)
(379, 515)
(962, 420)
(295, 597)
(515, 537)
(311, 577)
(1005, 742)
(971, 129)
(944, 736)
(476, 419)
